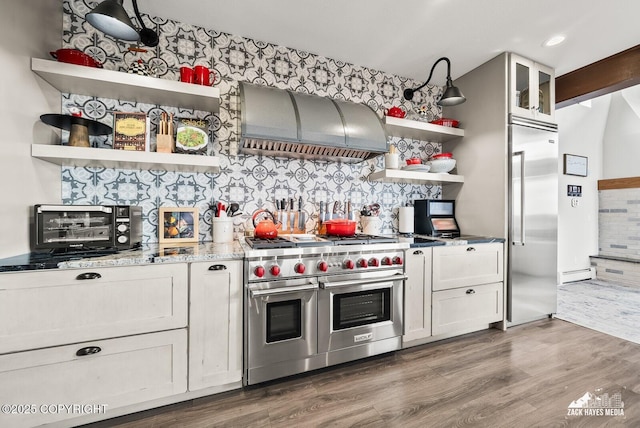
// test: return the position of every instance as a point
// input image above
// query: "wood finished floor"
(525, 377)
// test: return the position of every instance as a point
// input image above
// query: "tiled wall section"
(253, 181)
(619, 223)
(621, 272)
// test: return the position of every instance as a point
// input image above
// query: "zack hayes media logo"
(597, 404)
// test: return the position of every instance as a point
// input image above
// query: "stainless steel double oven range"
(312, 302)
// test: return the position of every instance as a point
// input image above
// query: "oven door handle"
(338, 284)
(283, 290)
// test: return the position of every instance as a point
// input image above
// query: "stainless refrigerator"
(533, 230)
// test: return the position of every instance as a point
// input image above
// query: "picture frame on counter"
(177, 225)
(575, 165)
(179, 249)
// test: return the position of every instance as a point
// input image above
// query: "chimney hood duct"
(276, 122)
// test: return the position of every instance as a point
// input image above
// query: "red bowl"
(446, 122)
(414, 161)
(442, 156)
(74, 56)
(341, 227)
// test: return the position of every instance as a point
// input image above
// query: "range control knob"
(349, 264)
(397, 260)
(122, 228)
(374, 262)
(386, 261)
(323, 266)
(363, 263)
(299, 268)
(259, 271)
(275, 270)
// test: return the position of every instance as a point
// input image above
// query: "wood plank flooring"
(525, 377)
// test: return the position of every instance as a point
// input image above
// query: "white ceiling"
(406, 37)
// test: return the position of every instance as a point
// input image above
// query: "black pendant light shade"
(111, 18)
(452, 95)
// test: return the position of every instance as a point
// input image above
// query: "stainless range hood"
(276, 122)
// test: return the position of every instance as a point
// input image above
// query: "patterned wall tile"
(253, 181)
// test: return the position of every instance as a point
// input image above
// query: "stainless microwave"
(86, 227)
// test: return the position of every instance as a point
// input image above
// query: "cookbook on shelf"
(131, 131)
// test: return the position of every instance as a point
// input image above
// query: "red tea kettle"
(265, 228)
(395, 112)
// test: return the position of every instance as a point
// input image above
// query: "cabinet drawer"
(465, 265)
(42, 309)
(125, 371)
(464, 308)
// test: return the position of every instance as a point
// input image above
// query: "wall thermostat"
(574, 190)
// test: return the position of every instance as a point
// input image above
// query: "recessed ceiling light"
(553, 41)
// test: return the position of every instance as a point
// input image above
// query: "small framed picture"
(575, 165)
(177, 224)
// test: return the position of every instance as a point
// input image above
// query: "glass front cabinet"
(532, 89)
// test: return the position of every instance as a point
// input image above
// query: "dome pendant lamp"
(452, 95)
(111, 18)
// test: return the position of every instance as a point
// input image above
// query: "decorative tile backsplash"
(252, 181)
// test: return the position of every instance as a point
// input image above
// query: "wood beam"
(619, 183)
(611, 74)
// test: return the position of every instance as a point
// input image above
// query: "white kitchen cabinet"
(458, 266)
(417, 294)
(56, 307)
(467, 309)
(101, 374)
(215, 324)
(532, 92)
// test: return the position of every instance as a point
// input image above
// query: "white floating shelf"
(418, 130)
(124, 159)
(416, 177)
(98, 82)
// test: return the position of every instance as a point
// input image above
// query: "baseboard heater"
(577, 275)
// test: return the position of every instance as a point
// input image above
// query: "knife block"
(165, 143)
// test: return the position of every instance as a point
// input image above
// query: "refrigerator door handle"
(520, 155)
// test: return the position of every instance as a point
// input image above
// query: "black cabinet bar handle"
(88, 275)
(217, 267)
(471, 249)
(89, 350)
(471, 291)
(417, 252)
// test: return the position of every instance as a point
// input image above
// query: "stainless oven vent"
(276, 122)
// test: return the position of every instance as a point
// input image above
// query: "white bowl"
(441, 165)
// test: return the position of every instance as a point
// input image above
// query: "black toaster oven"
(86, 227)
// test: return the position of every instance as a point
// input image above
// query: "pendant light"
(111, 18)
(452, 95)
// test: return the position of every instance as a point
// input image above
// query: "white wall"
(27, 28)
(621, 157)
(581, 131)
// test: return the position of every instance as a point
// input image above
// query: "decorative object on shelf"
(392, 159)
(452, 95)
(138, 66)
(442, 165)
(422, 113)
(79, 127)
(187, 75)
(177, 225)
(575, 165)
(111, 18)
(75, 56)
(164, 140)
(192, 136)
(131, 131)
(204, 76)
(452, 123)
(395, 112)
